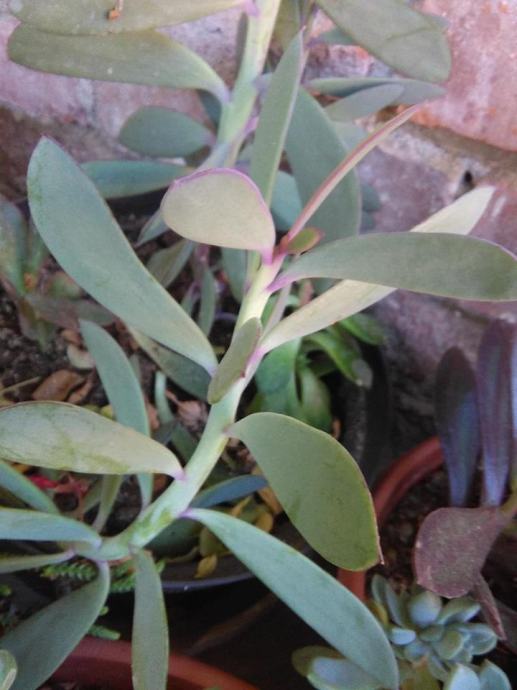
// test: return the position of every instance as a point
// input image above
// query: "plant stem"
(177, 498)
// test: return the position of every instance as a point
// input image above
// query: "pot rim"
(95, 660)
(399, 478)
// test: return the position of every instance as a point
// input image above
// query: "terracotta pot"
(97, 661)
(407, 471)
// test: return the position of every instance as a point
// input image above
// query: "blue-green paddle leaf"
(150, 639)
(143, 57)
(95, 253)
(21, 487)
(16, 523)
(118, 178)
(319, 485)
(331, 610)
(43, 641)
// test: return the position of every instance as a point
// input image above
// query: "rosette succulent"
(435, 642)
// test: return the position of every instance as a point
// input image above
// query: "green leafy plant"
(434, 642)
(315, 495)
(315, 478)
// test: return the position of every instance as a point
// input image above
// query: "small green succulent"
(434, 641)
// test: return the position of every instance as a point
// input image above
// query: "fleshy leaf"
(221, 207)
(285, 205)
(43, 641)
(319, 485)
(363, 103)
(154, 131)
(350, 297)
(457, 422)
(93, 17)
(462, 678)
(13, 238)
(180, 370)
(15, 563)
(166, 264)
(433, 263)
(331, 610)
(34, 526)
(396, 34)
(146, 57)
(8, 669)
(150, 639)
(413, 91)
(313, 149)
(497, 391)
(67, 437)
(327, 670)
(492, 677)
(116, 179)
(118, 378)
(21, 487)
(452, 545)
(275, 116)
(233, 365)
(95, 253)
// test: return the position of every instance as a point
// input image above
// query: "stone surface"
(481, 98)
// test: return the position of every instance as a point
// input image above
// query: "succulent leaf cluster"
(426, 630)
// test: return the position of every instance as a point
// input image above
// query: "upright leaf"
(67, 437)
(33, 526)
(452, 545)
(331, 610)
(457, 422)
(208, 301)
(435, 263)
(116, 179)
(349, 297)
(150, 639)
(97, 255)
(8, 669)
(180, 370)
(13, 237)
(496, 389)
(93, 17)
(43, 641)
(164, 133)
(396, 34)
(314, 149)
(118, 377)
(222, 207)
(233, 364)
(319, 485)
(235, 263)
(145, 57)
(124, 393)
(166, 264)
(22, 487)
(275, 117)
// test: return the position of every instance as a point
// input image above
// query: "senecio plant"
(314, 477)
(434, 642)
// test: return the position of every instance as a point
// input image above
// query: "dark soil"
(22, 359)
(399, 533)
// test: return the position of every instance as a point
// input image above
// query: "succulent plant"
(435, 642)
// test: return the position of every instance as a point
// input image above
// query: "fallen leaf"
(57, 386)
(206, 567)
(80, 394)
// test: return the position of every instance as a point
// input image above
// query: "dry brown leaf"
(206, 567)
(81, 393)
(268, 495)
(71, 336)
(152, 414)
(265, 521)
(57, 386)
